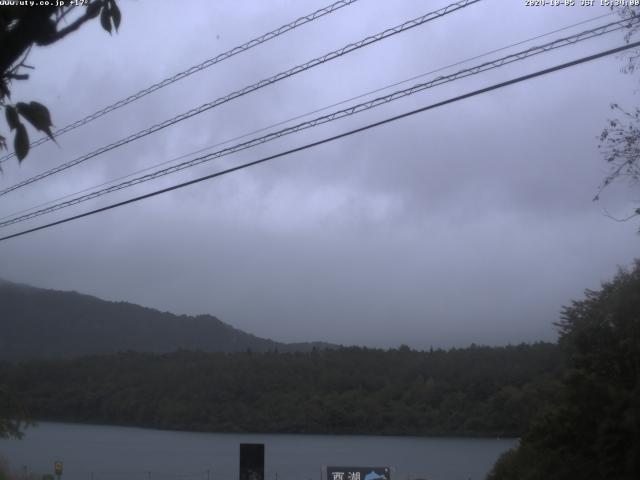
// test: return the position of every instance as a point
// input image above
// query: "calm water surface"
(124, 453)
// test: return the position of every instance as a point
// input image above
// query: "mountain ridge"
(46, 323)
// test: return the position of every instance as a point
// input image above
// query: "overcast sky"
(469, 223)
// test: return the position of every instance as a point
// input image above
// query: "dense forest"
(472, 391)
(575, 404)
(592, 429)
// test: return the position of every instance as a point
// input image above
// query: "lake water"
(92, 452)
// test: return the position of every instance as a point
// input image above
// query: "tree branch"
(73, 26)
(617, 219)
(37, 26)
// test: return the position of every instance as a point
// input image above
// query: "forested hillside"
(47, 323)
(472, 391)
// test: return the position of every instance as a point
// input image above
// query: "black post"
(252, 461)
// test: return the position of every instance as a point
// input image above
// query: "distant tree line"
(472, 391)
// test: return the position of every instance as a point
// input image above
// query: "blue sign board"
(358, 473)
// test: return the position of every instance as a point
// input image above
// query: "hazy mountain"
(35, 322)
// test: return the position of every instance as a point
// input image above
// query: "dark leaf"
(93, 9)
(45, 32)
(115, 14)
(105, 19)
(4, 89)
(12, 117)
(21, 142)
(37, 115)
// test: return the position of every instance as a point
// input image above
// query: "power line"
(194, 69)
(297, 117)
(251, 88)
(614, 26)
(334, 137)
(354, 109)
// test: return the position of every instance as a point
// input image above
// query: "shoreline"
(466, 436)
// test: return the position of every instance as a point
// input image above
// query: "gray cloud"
(469, 223)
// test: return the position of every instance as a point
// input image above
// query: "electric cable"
(251, 88)
(354, 109)
(297, 117)
(307, 146)
(190, 71)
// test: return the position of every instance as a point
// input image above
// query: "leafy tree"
(620, 139)
(22, 27)
(593, 432)
(13, 417)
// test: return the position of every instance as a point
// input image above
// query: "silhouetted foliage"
(593, 431)
(13, 417)
(620, 139)
(22, 27)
